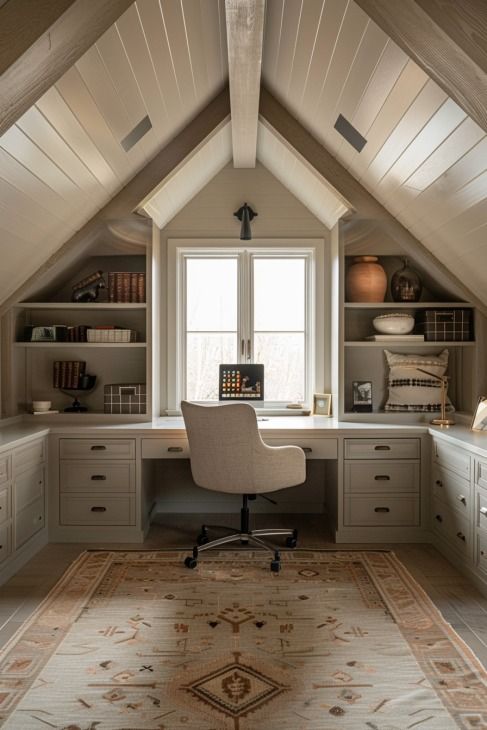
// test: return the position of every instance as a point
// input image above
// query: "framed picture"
(479, 420)
(362, 396)
(322, 404)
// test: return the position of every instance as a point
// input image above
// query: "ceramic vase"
(406, 285)
(366, 280)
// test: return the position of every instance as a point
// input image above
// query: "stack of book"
(126, 286)
(77, 333)
(67, 373)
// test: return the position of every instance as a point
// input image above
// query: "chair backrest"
(223, 440)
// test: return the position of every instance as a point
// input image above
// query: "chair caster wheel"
(291, 542)
(275, 566)
(191, 562)
(202, 539)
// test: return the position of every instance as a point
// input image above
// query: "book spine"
(140, 288)
(111, 286)
(118, 287)
(76, 367)
(62, 374)
(69, 374)
(56, 374)
(126, 286)
(133, 287)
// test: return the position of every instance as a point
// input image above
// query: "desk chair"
(228, 455)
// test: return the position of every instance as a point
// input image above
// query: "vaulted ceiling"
(424, 159)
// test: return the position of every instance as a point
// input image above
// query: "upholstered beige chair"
(228, 455)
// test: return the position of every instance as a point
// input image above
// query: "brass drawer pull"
(98, 509)
(382, 478)
(461, 499)
(382, 447)
(439, 483)
(307, 449)
(98, 447)
(382, 509)
(98, 477)
(461, 536)
(438, 518)
(175, 449)
(483, 511)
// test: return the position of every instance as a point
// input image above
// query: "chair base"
(244, 535)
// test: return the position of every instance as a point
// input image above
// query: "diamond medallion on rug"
(339, 639)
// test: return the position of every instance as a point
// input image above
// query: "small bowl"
(394, 324)
(41, 405)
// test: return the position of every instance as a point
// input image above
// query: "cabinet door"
(29, 521)
(25, 457)
(370, 477)
(97, 448)
(4, 468)
(382, 448)
(4, 505)
(451, 457)
(28, 487)
(4, 541)
(91, 476)
(451, 489)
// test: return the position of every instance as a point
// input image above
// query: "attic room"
(243, 383)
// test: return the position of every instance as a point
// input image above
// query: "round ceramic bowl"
(394, 324)
(41, 405)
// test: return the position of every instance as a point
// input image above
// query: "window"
(235, 304)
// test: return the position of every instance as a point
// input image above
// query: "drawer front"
(28, 456)
(452, 526)
(165, 448)
(382, 510)
(368, 477)
(4, 542)
(481, 473)
(28, 488)
(29, 521)
(97, 448)
(97, 510)
(481, 509)
(481, 553)
(4, 468)
(313, 448)
(382, 449)
(449, 456)
(4, 505)
(103, 476)
(452, 490)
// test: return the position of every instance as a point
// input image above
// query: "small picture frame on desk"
(362, 396)
(479, 420)
(322, 404)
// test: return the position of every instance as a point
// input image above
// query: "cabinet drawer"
(313, 448)
(382, 448)
(481, 473)
(367, 477)
(97, 448)
(97, 510)
(29, 521)
(481, 553)
(382, 510)
(28, 487)
(4, 505)
(452, 490)
(452, 526)
(165, 448)
(4, 468)
(481, 509)
(452, 458)
(4, 541)
(92, 476)
(27, 456)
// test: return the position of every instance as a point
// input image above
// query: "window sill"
(261, 411)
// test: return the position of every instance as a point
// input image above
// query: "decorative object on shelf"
(366, 280)
(125, 398)
(396, 323)
(111, 334)
(479, 420)
(406, 285)
(68, 373)
(88, 289)
(86, 385)
(46, 333)
(322, 404)
(41, 406)
(245, 214)
(77, 333)
(409, 390)
(126, 287)
(446, 325)
(362, 396)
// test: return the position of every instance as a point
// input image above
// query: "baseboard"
(22, 556)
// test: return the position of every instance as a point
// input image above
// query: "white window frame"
(179, 249)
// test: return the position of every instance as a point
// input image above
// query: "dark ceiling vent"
(349, 133)
(136, 134)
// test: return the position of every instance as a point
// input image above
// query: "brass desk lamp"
(442, 420)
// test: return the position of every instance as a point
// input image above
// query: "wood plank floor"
(460, 603)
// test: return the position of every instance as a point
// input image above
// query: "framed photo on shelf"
(362, 396)
(322, 404)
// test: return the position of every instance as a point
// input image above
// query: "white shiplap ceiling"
(425, 160)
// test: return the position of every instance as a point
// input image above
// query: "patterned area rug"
(135, 641)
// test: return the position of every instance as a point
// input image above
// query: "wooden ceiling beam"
(127, 200)
(295, 136)
(245, 30)
(40, 40)
(447, 38)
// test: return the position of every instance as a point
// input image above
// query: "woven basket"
(111, 335)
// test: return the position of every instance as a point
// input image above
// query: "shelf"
(407, 305)
(401, 343)
(76, 345)
(118, 306)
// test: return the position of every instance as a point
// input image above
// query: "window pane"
(211, 294)
(279, 299)
(204, 353)
(283, 357)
